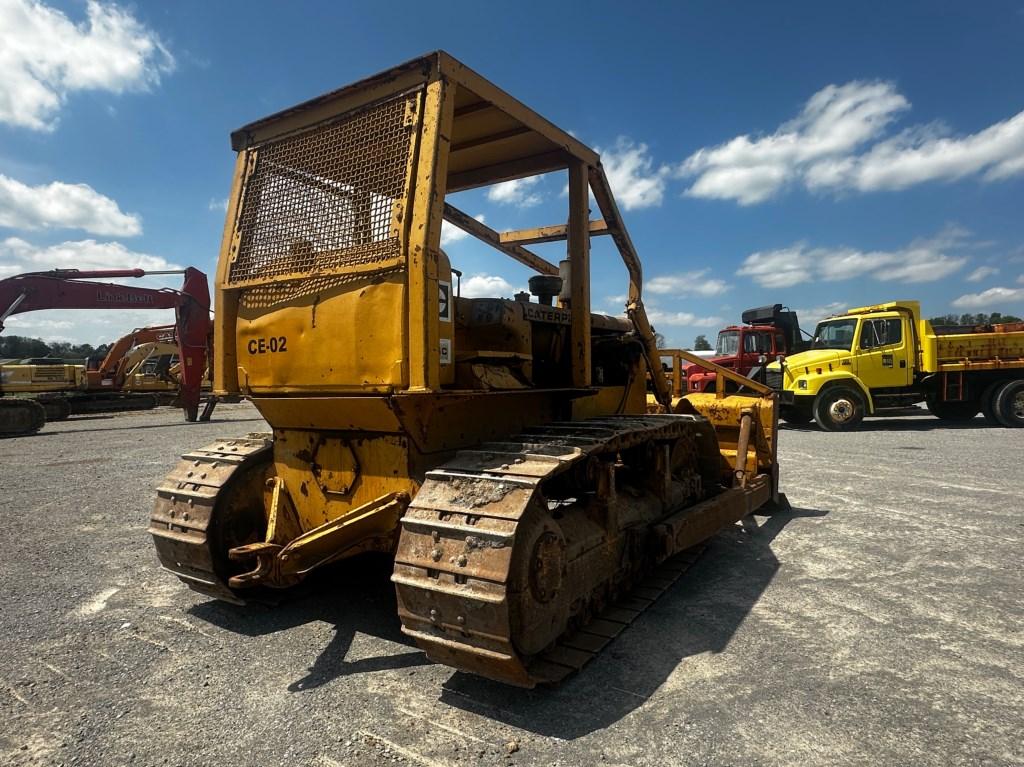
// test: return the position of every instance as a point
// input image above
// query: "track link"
(185, 515)
(111, 403)
(20, 417)
(481, 531)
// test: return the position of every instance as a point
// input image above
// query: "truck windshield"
(834, 334)
(728, 343)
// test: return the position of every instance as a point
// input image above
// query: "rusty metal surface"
(188, 502)
(554, 233)
(516, 559)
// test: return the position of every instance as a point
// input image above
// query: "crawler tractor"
(499, 448)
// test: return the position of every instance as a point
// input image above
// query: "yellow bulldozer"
(500, 448)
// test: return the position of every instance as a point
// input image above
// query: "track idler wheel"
(539, 600)
(211, 503)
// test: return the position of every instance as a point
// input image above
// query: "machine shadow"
(700, 613)
(692, 617)
(129, 426)
(924, 422)
(355, 595)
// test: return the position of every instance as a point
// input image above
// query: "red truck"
(767, 333)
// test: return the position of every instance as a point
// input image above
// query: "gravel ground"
(879, 623)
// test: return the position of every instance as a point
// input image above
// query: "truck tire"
(795, 415)
(1008, 404)
(953, 411)
(988, 402)
(839, 408)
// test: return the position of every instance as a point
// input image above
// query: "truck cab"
(768, 332)
(854, 359)
(886, 356)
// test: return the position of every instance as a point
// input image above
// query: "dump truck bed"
(1003, 348)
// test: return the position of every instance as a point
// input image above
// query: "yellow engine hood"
(815, 358)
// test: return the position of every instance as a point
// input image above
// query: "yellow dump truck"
(885, 356)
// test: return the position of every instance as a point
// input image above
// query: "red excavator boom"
(72, 289)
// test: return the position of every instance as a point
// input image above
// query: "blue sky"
(811, 154)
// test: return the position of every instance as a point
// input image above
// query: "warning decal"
(444, 301)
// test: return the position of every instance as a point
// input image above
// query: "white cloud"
(218, 205)
(519, 192)
(837, 144)
(923, 154)
(487, 286)
(981, 273)
(634, 180)
(687, 284)
(661, 319)
(60, 205)
(991, 298)
(834, 122)
(17, 255)
(45, 56)
(923, 260)
(780, 268)
(618, 301)
(809, 318)
(451, 233)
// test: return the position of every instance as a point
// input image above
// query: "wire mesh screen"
(324, 200)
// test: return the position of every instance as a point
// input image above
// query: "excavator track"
(200, 512)
(498, 575)
(20, 417)
(111, 403)
(57, 407)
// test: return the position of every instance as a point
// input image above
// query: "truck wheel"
(1008, 404)
(953, 411)
(988, 402)
(795, 415)
(839, 409)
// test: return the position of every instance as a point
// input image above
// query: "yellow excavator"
(499, 447)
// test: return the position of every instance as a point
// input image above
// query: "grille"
(48, 373)
(324, 201)
(773, 379)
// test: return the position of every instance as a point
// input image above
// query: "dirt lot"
(879, 623)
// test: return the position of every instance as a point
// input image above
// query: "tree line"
(995, 318)
(22, 347)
